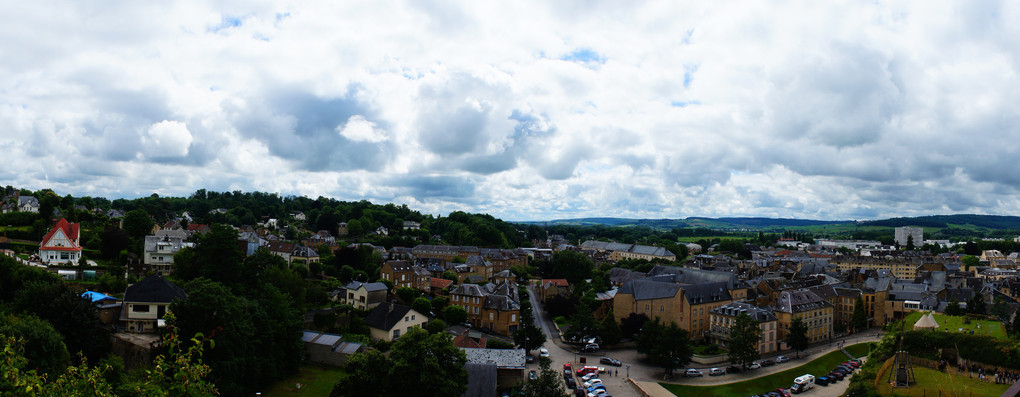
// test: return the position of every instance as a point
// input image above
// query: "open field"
(931, 382)
(818, 366)
(859, 350)
(955, 323)
(315, 380)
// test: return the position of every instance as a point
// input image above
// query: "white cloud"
(166, 139)
(524, 109)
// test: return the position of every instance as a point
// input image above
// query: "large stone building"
(724, 317)
(905, 234)
(618, 251)
(689, 305)
(495, 307)
(814, 311)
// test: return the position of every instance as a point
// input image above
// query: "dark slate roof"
(733, 309)
(400, 266)
(706, 293)
(370, 287)
(501, 303)
(154, 289)
(481, 380)
(468, 289)
(649, 289)
(382, 317)
(798, 301)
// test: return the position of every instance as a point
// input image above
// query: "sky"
(524, 110)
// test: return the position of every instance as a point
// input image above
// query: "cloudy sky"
(524, 110)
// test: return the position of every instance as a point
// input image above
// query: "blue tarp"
(96, 297)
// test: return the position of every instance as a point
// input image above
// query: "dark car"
(733, 369)
(567, 374)
(845, 368)
(837, 375)
(529, 358)
(571, 383)
(822, 381)
(767, 362)
(579, 392)
(610, 361)
(783, 392)
(772, 394)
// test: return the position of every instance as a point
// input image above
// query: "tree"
(44, 348)
(138, 223)
(666, 346)
(454, 314)
(439, 303)
(910, 243)
(435, 326)
(859, 319)
(113, 242)
(631, 324)
(1000, 308)
(970, 261)
(744, 337)
(953, 308)
(610, 330)
(548, 382)
(572, 266)
(367, 376)
(422, 305)
(427, 365)
(796, 337)
(529, 337)
(407, 294)
(976, 304)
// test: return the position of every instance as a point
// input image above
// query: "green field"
(859, 350)
(315, 380)
(954, 323)
(784, 379)
(934, 383)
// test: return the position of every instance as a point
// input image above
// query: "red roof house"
(60, 245)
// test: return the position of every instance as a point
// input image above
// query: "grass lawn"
(934, 383)
(859, 350)
(701, 350)
(817, 367)
(954, 323)
(315, 380)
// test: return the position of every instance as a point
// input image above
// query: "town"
(244, 293)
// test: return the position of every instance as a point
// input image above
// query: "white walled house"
(60, 245)
(146, 301)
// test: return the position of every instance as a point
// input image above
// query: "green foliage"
(630, 325)
(953, 308)
(422, 305)
(744, 337)
(796, 336)
(970, 261)
(548, 383)
(859, 319)
(976, 304)
(668, 347)
(419, 364)
(572, 266)
(498, 344)
(407, 295)
(435, 326)
(454, 314)
(610, 330)
(216, 257)
(137, 223)
(44, 348)
(982, 348)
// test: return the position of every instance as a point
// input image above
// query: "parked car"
(772, 394)
(754, 366)
(782, 359)
(579, 391)
(691, 373)
(733, 369)
(783, 392)
(543, 352)
(822, 381)
(845, 368)
(566, 366)
(571, 384)
(716, 372)
(767, 362)
(593, 382)
(837, 375)
(528, 358)
(532, 375)
(852, 363)
(610, 361)
(599, 393)
(590, 348)
(567, 374)
(590, 376)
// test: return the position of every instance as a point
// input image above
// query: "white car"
(754, 365)
(592, 382)
(691, 372)
(543, 352)
(590, 376)
(782, 359)
(598, 393)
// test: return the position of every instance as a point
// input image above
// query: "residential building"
(724, 317)
(618, 251)
(146, 301)
(404, 274)
(159, 250)
(814, 311)
(495, 307)
(388, 321)
(28, 204)
(912, 234)
(552, 287)
(60, 246)
(363, 296)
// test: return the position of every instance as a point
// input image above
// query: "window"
(412, 317)
(396, 333)
(492, 316)
(455, 297)
(406, 318)
(513, 318)
(140, 308)
(662, 308)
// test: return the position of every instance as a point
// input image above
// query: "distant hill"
(941, 221)
(997, 222)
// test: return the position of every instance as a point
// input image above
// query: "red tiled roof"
(439, 282)
(197, 226)
(70, 231)
(783, 252)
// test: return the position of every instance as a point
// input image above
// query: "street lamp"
(628, 371)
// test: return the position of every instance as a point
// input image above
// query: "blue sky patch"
(584, 55)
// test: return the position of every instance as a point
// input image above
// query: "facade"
(146, 301)
(159, 250)
(495, 307)
(724, 317)
(901, 267)
(905, 233)
(388, 321)
(363, 296)
(814, 311)
(619, 251)
(60, 246)
(28, 204)
(404, 274)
